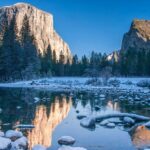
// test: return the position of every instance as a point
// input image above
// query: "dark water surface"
(56, 115)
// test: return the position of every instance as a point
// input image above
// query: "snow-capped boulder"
(104, 122)
(128, 120)
(88, 122)
(5, 143)
(20, 144)
(71, 148)
(2, 134)
(66, 140)
(111, 125)
(13, 135)
(39, 147)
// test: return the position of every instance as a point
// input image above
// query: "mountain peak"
(138, 36)
(41, 25)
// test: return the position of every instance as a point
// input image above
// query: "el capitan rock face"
(41, 24)
(138, 36)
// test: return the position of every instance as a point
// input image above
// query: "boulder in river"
(13, 135)
(5, 143)
(111, 125)
(66, 140)
(128, 120)
(88, 122)
(2, 134)
(104, 122)
(20, 144)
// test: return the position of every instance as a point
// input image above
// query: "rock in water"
(5, 143)
(71, 148)
(128, 120)
(104, 122)
(13, 135)
(20, 144)
(66, 140)
(111, 125)
(88, 122)
(1, 134)
(39, 147)
(41, 26)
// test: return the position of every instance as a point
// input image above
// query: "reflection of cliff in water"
(141, 137)
(45, 122)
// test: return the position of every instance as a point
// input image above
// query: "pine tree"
(61, 64)
(31, 63)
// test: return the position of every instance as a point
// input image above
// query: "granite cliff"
(138, 36)
(41, 25)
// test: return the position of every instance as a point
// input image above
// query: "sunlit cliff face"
(141, 137)
(45, 122)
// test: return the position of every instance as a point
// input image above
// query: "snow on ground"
(74, 83)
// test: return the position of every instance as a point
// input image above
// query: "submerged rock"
(88, 122)
(5, 143)
(81, 116)
(39, 147)
(71, 148)
(66, 140)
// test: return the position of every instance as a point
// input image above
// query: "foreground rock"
(66, 140)
(71, 148)
(20, 144)
(5, 143)
(2, 134)
(13, 135)
(88, 122)
(39, 147)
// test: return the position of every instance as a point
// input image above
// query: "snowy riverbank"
(77, 83)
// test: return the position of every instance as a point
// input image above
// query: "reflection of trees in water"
(10, 98)
(90, 100)
(140, 137)
(45, 123)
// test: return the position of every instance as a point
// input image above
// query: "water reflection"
(54, 107)
(45, 122)
(141, 137)
(113, 106)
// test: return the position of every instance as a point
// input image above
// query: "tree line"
(20, 60)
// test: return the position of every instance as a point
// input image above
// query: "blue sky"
(88, 25)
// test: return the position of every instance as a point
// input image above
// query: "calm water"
(56, 115)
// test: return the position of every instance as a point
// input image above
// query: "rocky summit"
(138, 36)
(41, 26)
